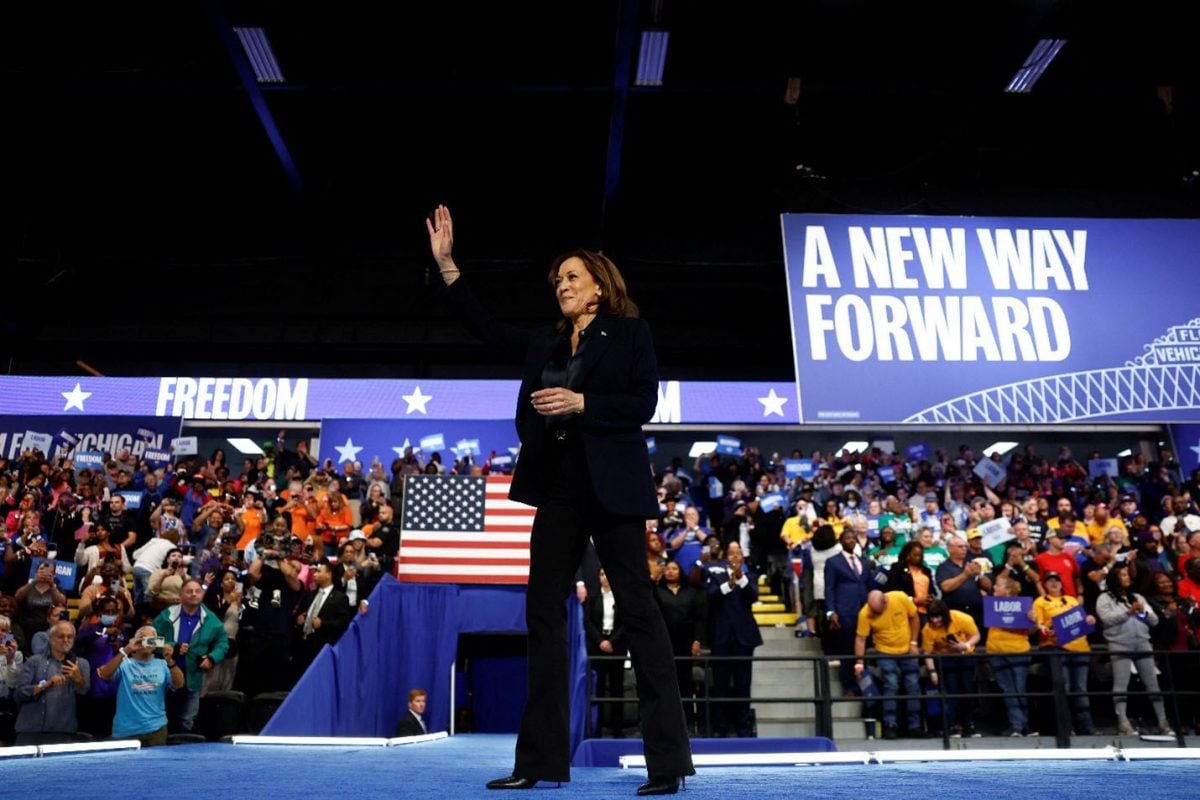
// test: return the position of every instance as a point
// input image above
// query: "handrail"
(824, 701)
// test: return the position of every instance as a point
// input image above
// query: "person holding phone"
(47, 689)
(142, 671)
(588, 385)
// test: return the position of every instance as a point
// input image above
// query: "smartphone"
(153, 641)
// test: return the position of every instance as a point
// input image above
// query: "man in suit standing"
(322, 616)
(606, 637)
(847, 582)
(412, 722)
(732, 590)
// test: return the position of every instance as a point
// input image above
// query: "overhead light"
(247, 447)
(1125, 453)
(262, 57)
(652, 58)
(855, 447)
(998, 448)
(1043, 53)
(702, 449)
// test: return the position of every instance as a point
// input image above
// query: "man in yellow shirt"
(950, 634)
(890, 619)
(1097, 529)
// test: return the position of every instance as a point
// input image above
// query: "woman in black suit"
(588, 385)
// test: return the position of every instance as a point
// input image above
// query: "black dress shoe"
(659, 786)
(512, 782)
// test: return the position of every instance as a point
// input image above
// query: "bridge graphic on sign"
(1165, 378)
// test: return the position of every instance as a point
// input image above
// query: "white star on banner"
(416, 401)
(1196, 449)
(399, 451)
(347, 451)
(772, 404)
(75, 398)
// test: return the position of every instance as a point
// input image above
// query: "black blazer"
(335, 615)
(730, 616)
(593, 620)
(619, 381)
(408, 725)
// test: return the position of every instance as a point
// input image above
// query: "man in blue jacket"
(847, 581)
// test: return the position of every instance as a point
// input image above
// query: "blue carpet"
(458, 767)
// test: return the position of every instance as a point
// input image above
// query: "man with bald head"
(890, 620)
(142, 681)
(47, 688)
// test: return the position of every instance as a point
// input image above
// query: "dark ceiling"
(154, 222)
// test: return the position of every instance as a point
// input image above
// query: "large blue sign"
(993, 320)
(90, 434)
(295, 399)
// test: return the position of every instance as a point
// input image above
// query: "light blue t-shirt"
(141, 697)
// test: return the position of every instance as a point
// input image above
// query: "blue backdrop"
(410, 637)
(993, 320)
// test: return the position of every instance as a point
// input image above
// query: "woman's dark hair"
(614, 298)
(1123, 594)
(905, 550)
(938, 608)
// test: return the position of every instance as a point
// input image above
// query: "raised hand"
(441, 242)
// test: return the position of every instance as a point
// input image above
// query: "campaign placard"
(88, 459)
(651, 445)
(64, 572)
(185, 445)
(38, 441)
(771, 501)
(1102, 467)
(467, 447)
(1007, 612)
(433, 442)
(991, 472)
(157, 458)
(729, 445)
(1072, 624)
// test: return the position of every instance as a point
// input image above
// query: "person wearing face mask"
(98, 640)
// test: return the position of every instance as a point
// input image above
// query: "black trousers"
(567, 517)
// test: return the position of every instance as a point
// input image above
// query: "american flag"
(463, 529)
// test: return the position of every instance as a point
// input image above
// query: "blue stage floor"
(459, 766)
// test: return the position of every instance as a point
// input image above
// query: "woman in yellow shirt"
(1008, 651)
(1075, 662)
(950, 634)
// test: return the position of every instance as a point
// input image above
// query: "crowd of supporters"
(244, 569)
(862, 535)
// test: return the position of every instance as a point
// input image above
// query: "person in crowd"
(1018, 566)
(1075, 661)
(824, 547)
(250, 517)
(264, 636)
(932, 551)
(334, 522)
(322, 616)
(605, 636)
(886, 551)
(47, 688)
(688, 540)
(1008, 654)
(683, 610)
(656, 557)
(141, 682)
(224, 598)
(101, 634)
(910, 575)
(150, 557)
(949, 634)
(99, 547)
(962, 581)
(412, 721)
(198, 638)
(384, 539)
(889, 620)
(732, 590)
(35, 598)
(166, 583)
(589, 386)
(1055, 560)
(847, 581)
(11, 660)
(1128, 619)
(106, 581)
